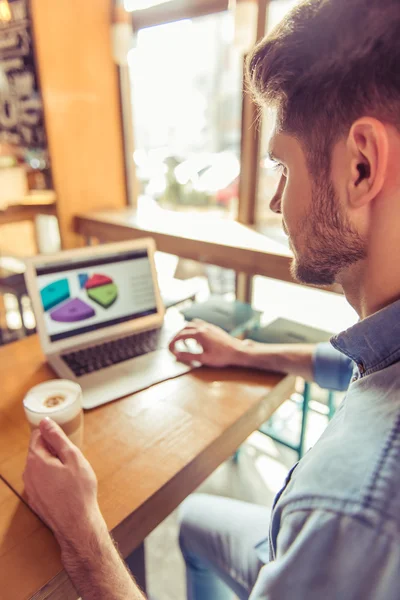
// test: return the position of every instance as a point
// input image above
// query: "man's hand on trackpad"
(201, 342)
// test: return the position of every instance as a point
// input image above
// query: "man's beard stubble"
(329, 244)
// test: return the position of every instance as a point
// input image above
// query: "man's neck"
(371, 285)
(351, 281)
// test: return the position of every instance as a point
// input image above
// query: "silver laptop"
(100, 319)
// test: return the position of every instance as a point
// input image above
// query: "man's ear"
(368, 147)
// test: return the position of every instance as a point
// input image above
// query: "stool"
(285, 331)
(267, 429)
(305, 408)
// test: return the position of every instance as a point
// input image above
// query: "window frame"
(175, 10)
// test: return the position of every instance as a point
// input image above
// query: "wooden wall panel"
(80, 92)
(18, 239)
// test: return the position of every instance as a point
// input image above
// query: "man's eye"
(280, 168)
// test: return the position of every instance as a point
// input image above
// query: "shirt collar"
(374, 342)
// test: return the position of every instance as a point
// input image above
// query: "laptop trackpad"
(129, 377)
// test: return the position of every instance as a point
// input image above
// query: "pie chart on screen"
(72, 311)
(95, 290)
(102, 289)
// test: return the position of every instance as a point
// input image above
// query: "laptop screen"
(84, 295)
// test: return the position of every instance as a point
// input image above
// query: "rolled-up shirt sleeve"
(332, 369)
(330, 556)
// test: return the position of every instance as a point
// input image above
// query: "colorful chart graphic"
(105, 295)
(82, 278)
(54, 293)
(97, 288)
(74, 310)
(97, 280)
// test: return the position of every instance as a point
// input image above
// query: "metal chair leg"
(331, 404)
(306, 403)
(21, 312)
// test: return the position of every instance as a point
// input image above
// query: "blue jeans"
(218, 538)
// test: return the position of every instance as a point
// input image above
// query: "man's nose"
(275, 204)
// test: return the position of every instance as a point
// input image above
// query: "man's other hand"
(60, 483)
(217, 348)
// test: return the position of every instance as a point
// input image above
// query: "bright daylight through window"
(268, 174)
(187, 96)
(132, 5)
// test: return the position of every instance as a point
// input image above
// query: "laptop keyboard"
(89, 360)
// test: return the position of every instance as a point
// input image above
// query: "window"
(186, 79)
(269, 175)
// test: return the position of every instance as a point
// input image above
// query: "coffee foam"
(60, 400)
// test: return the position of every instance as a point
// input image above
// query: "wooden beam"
(176, 10)
(250, 160)
(250, 146)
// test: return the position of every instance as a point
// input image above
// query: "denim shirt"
(335, 526)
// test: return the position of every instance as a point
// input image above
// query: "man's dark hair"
(326, 64)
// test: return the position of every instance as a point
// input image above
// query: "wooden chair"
(285, 331)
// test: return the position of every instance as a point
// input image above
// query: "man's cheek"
(291, 209)
(287, 217)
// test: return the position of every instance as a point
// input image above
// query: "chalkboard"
(21, 110)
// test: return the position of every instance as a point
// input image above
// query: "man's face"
(321, 237)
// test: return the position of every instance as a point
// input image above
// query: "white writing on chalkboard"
(21, 111)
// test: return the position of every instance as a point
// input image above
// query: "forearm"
(96, 568)
(294, 359)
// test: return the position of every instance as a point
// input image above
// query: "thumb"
(55, 438)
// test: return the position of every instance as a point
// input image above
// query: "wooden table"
(225, 243)
(29, 553)
(149, 451)
(220, 242)
(33, 205)
(28, 209)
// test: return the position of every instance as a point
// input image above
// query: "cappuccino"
(61, 401)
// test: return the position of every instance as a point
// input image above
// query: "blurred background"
(121, 119)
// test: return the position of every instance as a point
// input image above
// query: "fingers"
(185, 334)
(205, 325)
(188, 329)
(38, 446)
(39, 455)
(188, 357)
(56, 439)
(35, 438)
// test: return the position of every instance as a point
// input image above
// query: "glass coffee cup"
(61, 401)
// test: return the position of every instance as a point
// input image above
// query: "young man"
(62, 486)
(330, 72)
